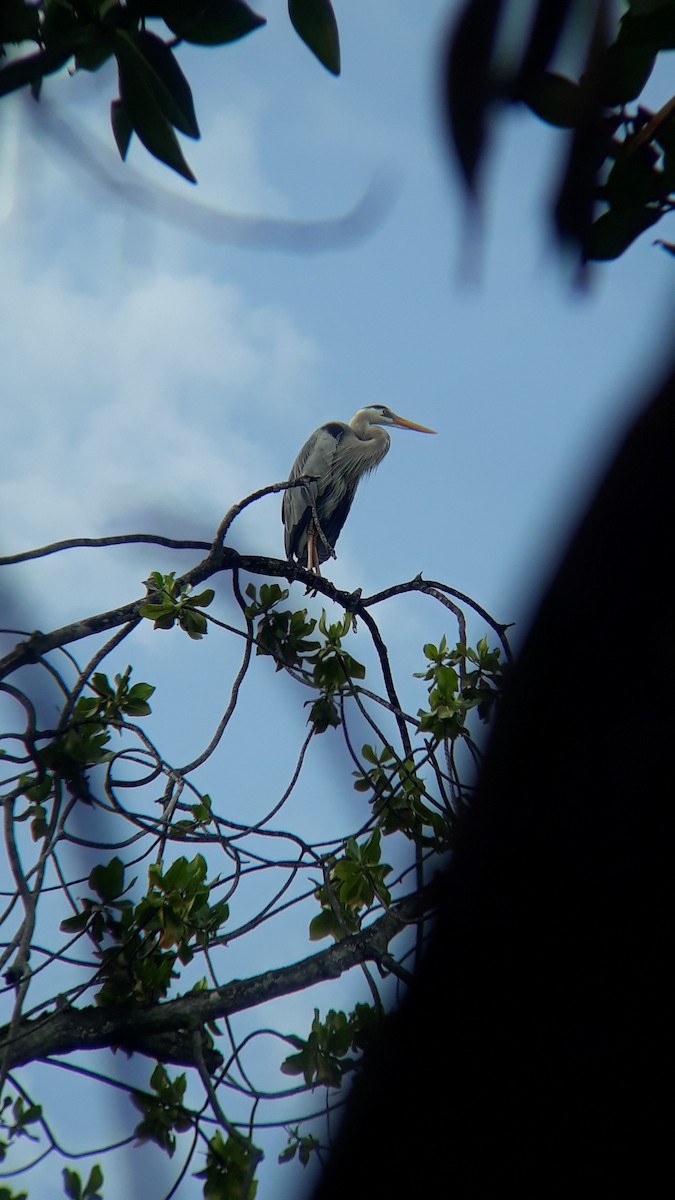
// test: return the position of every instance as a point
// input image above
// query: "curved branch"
(121, 539)
(235, 509)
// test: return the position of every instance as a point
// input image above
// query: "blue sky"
(153, 376)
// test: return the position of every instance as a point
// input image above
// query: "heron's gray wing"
(316, 459)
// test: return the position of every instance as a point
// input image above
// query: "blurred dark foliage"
(617, 163)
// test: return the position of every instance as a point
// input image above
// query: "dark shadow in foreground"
(535, 1052)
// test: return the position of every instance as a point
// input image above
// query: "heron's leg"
(312, 550)
(317, 531)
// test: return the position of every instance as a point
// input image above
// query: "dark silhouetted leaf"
(589, 147)
(214, 22)
(94, 47)
(468, 88)
(626, 68)
(121, 127)
(546, 30)
(314, 21)
(634, 180)
(556, 100)
(108, 882)
(18, 22)
(144, 94)
(154, 63)
(655, 29)
(614, 231)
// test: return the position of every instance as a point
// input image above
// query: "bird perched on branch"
(331, 463)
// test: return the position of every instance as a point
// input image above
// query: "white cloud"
(113, 402)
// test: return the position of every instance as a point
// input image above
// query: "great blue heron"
(334, 459)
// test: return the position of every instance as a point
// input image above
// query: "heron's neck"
(371, 433)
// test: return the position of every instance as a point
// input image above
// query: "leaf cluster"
(618, 177)
(155, 99)
(138, 945)
(304, 1145)
(397, 794)
(170, 602)
(457, 688)
(638, 187)
(75, 1189)
(15, 1117)
(354, 880)
(322, 1059)
(279, 632)
(285, 635)
(164, 1114)
(82, 743)
(230, 1166)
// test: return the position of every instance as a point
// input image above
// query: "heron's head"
(379, 414)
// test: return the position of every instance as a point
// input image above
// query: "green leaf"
(194, 624)
(28, 1115)
(214, 22)
(72, 1184)
(314, 21)
(76, 923)
(370, 853)
(229, 1168)
(294, 1064)
(203, 599)
(164, 608)
(108, 882)
(323, 714)
(324, 924)
(93, 1184)
(37, 792)
(370, 755)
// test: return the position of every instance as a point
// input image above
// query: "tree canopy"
(129, 881)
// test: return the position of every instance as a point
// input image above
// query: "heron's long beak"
(403, 424)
